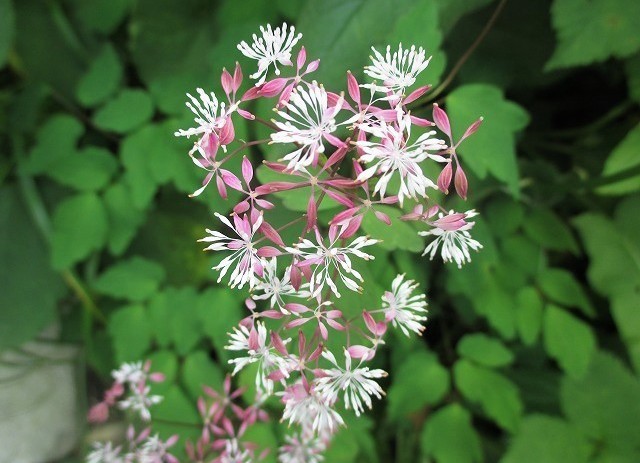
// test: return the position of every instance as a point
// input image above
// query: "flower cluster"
(364, 150)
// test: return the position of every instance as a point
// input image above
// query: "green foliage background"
(532, 352)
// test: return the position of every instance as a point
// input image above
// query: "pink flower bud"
(442, 120)
(471, 129)
(222, 189)
(382, 217)
(251, 94)
(268, 251)
(302, 58)
(245, 114)
(444, 179)
(271, 233)
(227, 132)
(417, 93)
(276, 341)
(237, 77)
(231, 180)
(273, 87)
(247, 170)
(227, 81)
(312, 67)
(461, 183)
(99, 413)
(312, 213)
(353, 87)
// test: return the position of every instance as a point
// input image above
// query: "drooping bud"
(444, 179)
(461, 183)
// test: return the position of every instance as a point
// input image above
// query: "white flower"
(273, 47)
(244, 254)
(104, 452)
(455, 243)
(301, 449)
(234, 453)
(255, 342)
(397, 71)
(393, 155)
(401, 308)
(130, 373)
(154, 450)
(208, 120)
(327, 259)
(139, 400)
(310, 409)
(307, 119)
(357, 384)
(274, 288)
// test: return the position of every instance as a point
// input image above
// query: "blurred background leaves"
(531, 353)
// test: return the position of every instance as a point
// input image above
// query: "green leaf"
(7, 29)
(49, 50)
(186, 329)
(561, 287)
(498, 397)
(56, 140)
(504, 215)
(568, 340)
(79, 228)
(176, 414)
(547, 439)
(102, 79)
(497, 305)
(614, 263)
(171, 46)
(420, 371)
(165, 362)
(593, 30)
(152, 156)
(614, 267)
(548, 230)
(529, 307)
(492, 148)
(398, 235)
(131, 333)
(124, 217)
(484, 350)
(632, 68)
(138, 176)
(174, 318)
(128, 110)
(623, 157)
(624, 308)
(342, 31)
(200, 370)
(135, 279)
(31, 288)
(101, 16)
(219, 310)
(449, 437)
(264, 436)
(605, 404)
(87, 170)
